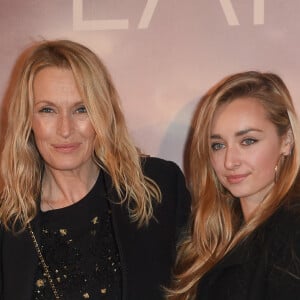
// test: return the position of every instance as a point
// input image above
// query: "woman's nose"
(65, 125)
(232, 158)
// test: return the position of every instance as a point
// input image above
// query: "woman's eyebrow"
(239, 133)
(245, 131)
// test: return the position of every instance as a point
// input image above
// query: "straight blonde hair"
(217, 224)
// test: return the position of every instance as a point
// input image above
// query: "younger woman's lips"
(233, 179)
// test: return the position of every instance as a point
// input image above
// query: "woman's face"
(63, 132)
(245, 149)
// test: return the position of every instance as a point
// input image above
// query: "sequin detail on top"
(81, 253)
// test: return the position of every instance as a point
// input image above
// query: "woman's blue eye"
(81, 110)
(46, 110)
(249, 141)
(217, 146)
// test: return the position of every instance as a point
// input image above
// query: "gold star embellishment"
(63, 232)
(95, 220)
(40, 283)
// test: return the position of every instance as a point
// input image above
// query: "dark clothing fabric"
(146, 254)
(265, 266)
(79, 247)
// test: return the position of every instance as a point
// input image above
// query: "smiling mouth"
(234, 179)
(66, 148)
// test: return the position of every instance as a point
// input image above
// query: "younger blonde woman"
(244, 240)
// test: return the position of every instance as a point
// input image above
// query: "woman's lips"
(66, 148)
(233, 179)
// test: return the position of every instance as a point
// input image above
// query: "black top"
(147, 253)
(79, 247)
(265, 266)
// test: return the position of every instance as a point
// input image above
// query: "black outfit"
(265, 266)
(146, 254)
(79, 247)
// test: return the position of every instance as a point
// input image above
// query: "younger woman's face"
(245, 149)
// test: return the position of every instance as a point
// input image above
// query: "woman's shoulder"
(285, 223)
(289, 216)
(162, 171)
(154, 164)
(283, 249)
(278, 236)
(148, 160)
(283, 233)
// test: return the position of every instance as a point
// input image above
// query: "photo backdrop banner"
(163, 54)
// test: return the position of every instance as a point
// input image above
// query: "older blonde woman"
(84, 215)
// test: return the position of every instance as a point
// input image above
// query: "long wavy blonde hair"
(217, 223)
(22, 166)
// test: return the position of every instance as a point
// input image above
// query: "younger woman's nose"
(232, 158)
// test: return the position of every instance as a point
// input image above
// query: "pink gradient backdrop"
(168, 53)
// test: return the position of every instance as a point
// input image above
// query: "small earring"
(276, 174)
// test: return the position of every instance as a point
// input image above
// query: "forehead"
(239, 114)
(53, 82)
(53, 74)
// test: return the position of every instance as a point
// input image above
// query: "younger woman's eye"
(217, 146)
(249, 141)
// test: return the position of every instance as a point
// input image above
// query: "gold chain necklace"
(43, 262)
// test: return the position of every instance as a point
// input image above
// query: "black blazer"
(266, 266)
(147, 254)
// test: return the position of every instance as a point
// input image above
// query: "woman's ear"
(287, 142)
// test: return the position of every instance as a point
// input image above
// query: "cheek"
(87, 131)
(217, 163)
(264, 159)
(40, 130)
(89, 140)
(265, 166)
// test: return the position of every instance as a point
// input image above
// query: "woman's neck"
(64, 188)
(249, 204)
